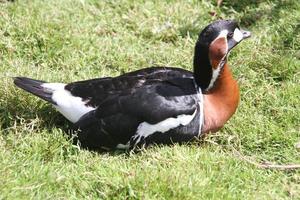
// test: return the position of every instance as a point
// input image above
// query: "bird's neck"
(221, 102)
(202, 67)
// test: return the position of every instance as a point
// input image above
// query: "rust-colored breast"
(221, 102)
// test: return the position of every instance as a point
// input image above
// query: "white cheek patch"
(237, 35)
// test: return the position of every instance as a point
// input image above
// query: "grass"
(80, 39)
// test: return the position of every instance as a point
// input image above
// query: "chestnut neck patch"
(217, 55)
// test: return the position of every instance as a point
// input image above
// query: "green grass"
(80, 39)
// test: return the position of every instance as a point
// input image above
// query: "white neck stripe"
(216, 72)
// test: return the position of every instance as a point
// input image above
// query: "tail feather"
(35, 87)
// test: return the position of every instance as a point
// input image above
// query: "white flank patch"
(237, 35)
(68, 105)
(145, 129)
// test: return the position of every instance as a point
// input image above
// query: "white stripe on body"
(145, 129)
(201, 109)
(68, 105)
(123, 146)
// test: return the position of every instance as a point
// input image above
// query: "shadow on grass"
(15, 115)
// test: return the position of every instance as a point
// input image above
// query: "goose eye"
(230, 35)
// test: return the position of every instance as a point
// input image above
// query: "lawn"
(70, 40)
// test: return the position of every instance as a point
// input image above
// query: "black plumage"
(149, 95)
(151, 105)
(34, 87)
(122, 103)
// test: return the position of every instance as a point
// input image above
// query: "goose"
(161, 105)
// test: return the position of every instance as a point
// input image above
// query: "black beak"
(232, 43)
(246, 34)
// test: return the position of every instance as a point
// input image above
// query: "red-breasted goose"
(152, 105)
